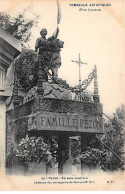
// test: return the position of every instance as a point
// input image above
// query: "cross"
(79, 62)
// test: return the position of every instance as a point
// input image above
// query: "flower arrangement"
(91, 157)
(32, 149)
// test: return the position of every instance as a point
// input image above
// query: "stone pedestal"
(37, 168)
(67, 167)
(50, 168)
(52, 118)
(76, 169)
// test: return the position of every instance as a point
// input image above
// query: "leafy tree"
(19, 26)
(120, 111)
(114, 140)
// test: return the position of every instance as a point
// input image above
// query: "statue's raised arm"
(55, 34)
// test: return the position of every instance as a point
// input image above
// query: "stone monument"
(42, 116)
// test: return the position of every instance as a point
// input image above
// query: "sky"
(97, 36)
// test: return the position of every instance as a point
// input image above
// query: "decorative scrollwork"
(84, 96)
(86, 82)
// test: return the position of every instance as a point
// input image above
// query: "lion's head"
(56, 45)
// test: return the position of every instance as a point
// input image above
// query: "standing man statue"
(41, 42)
(49, 49)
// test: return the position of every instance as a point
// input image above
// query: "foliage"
(91, 157)
(54, 150)
(120, 111)
(92, 152)
(114, 139)
(19, 26)
(26, 68)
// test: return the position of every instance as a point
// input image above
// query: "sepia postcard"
(62, 95)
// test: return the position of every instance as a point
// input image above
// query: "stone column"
(95, 82)
(67, 167)
(63, 151)
(2, 133)
(82, 144)
(96, 94)
(40, 75)
(16, 98)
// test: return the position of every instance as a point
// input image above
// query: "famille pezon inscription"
(69, 122)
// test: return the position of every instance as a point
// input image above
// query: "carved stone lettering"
(64, 122)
